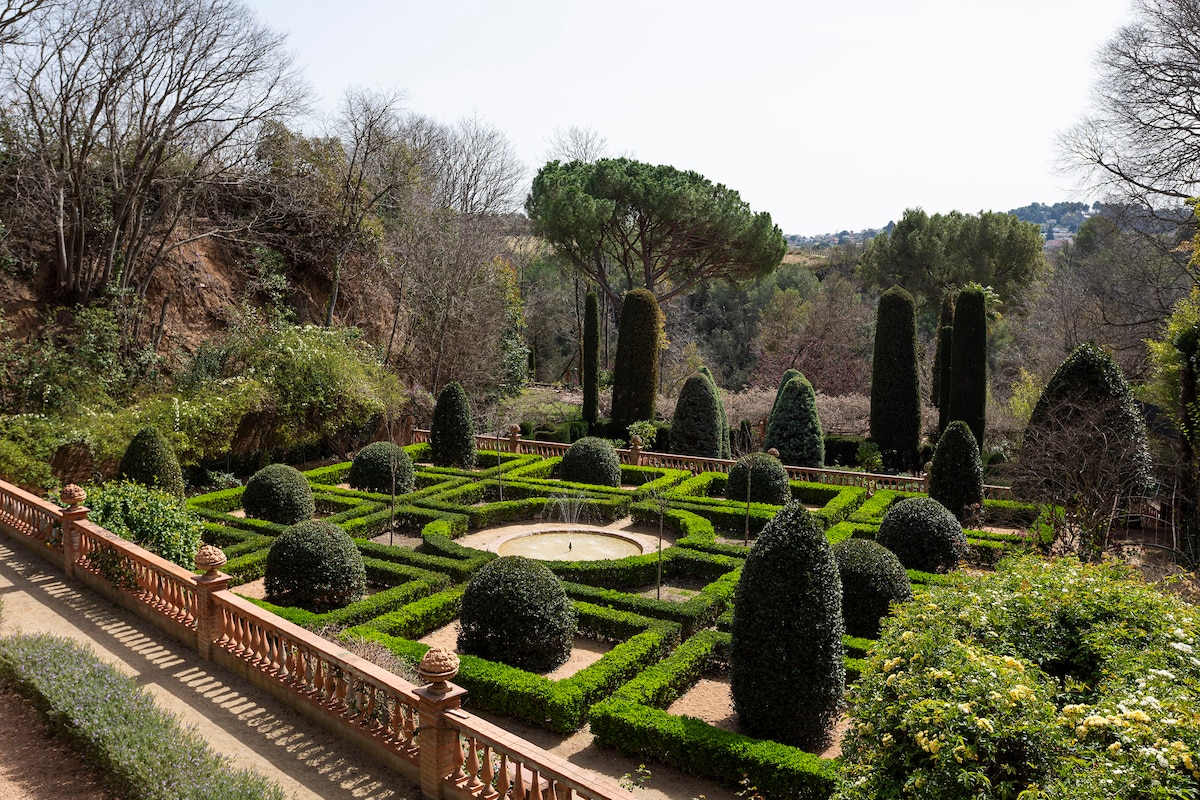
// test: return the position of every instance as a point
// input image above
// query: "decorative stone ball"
(210, 558)
(513, 430)
(438, 666)
(73, 495)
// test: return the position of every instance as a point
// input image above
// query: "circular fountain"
(569, 545)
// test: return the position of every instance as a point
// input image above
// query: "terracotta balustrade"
(26, 514)
(493, 764)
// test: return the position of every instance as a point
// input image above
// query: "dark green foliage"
(278, 493)
(377, 464)
(842, 451)
(314, 565)
(696, 428)
(591, 359)
(635, 371)
(895, 387)
(956, 474)
(941, 358)
(872, 579)
(786, 671)
(795, 430)
(591, 460)
(968, 362)
(514, 611)
(451, 436)
(151, 518)
(768, 480)
(150, 461)
(923, 534)
(945, 348)
(783, 382)
(726, 437)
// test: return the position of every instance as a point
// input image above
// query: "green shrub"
(968, 362)
(314, 565)
(923, 534)
(795, 429)
(726, 439)
(787, 376)
(151, 518)
(514, 611)
(278, 493)
(591, 460)
(451, 436)
(144, 752)
(786, 659)
(150, 461)
(696, 425)
(939, 385)
(768, 480)
(872, 579)
(895, 387)
(591, 359)
(1049, 679)
(956, 474)
(382, 467)
(635, 370)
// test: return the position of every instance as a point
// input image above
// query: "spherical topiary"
(278, 493)
(515, 611)
(150, 461)
(315, 565)
(786, 670)
(382, 467)
(635, 369)
(591, 460)
(451, 436)
(956, 473)
(696, 428)
(768, 480)
(923, 534)
(795, 429)
(872, 579)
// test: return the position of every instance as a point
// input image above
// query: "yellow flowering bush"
(1043, 680)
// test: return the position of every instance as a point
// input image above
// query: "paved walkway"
(236, 718)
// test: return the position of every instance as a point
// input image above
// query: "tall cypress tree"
(635, 370)
(941, 374)
(968, 362)
(895, 385)
(591, 359)
(941, 353)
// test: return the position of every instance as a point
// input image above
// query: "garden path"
(237, 719)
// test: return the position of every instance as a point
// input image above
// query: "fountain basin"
(569, 545)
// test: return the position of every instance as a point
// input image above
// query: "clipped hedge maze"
(661, 648)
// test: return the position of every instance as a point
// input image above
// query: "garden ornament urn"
(438, 666)
(210, 558)
(73, 495)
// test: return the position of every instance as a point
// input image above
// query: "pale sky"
(828, 115)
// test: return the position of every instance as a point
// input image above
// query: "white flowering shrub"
(1043, 680)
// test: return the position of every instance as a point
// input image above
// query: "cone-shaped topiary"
(786, 670)
(872, 579)
(635, 371)
(591, 359)
(895, 386)
(787, 376)
(515, 611)
(591, 460)
(696, 425)
(726, 434)
(314, 565)
(150, 461)
(377, 464)
(452, 436)
(768, 480)
(795, 430)
(968, 362)
(278, 493)
(923, 534)
(956, 474)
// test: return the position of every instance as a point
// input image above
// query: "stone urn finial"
(514, 430)
(210, 559)
(438, 666)
(73, 495)
(773, 453)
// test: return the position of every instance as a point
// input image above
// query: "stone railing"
(419, 731)
(513, 443)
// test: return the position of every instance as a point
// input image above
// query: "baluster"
(409, 729)
(341, 686)
(503, 787)
(458, 776)
(473, 781)
(318, 679)
(518, 792)
(535, 784)
(488, 773)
